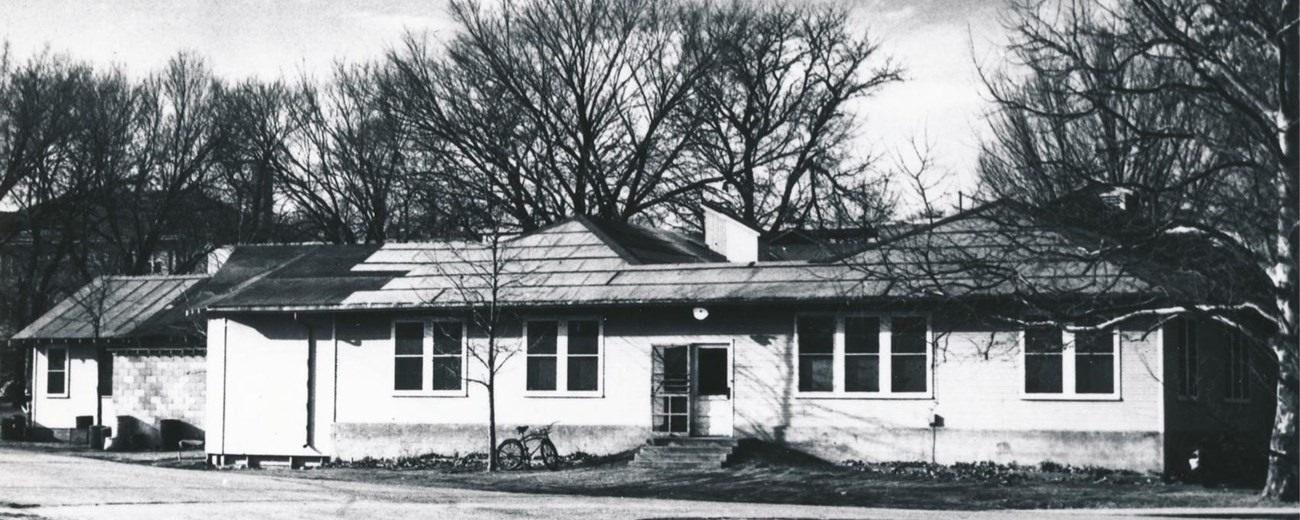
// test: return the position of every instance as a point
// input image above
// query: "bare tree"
(160, 184)
(1191, 108)
(256, 120)
(121, 189)
(779, 132)
(561, 107)
(481, 277)
(36, 114)
(347, 165)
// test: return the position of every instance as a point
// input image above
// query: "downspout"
(311, 383)
(99, 384)
(225, 382)
(32, 383)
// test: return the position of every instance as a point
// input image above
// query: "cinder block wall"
(150, 386)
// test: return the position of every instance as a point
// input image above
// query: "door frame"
(730, 411)
(692, 394)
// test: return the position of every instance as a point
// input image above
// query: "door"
(711, 388)
(670, 390)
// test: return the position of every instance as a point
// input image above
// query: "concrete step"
(684, 453)
(704, 450)
(692, 441)
(675, 465)
(683, 457)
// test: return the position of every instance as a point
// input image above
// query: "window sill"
(1072, 397)
(57, 396)
(865, 396)
(1238, 400)
(563, 394)
(430, 393)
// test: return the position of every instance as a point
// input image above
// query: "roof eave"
(845, 300)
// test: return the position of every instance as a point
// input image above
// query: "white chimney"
(217, 258)
(729, 237)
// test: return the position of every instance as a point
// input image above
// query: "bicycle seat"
(521, 429)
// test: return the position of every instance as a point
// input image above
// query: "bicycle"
(517, 453)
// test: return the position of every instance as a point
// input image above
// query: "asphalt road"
(42, 485)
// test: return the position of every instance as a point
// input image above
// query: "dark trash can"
(170, 433)
(98, 434)
(126, 431)
(13, 428)
(81, 435)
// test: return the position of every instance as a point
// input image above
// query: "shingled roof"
(137, 307)
(579, 262)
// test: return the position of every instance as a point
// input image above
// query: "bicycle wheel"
(511, 454)
(550, 457)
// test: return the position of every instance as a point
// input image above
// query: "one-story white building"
(128, 352)
(122, 354)
(618, 334)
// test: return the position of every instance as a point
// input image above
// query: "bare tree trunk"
(1282, 472)
(1284, 462)
(492, 422)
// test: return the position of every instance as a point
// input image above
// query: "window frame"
(1238, 353)
(1069, 373)
(562, 357)
(1187, 367)
(67, 369)
(426, 358)
(885, 355)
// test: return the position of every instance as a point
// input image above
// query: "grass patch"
(767, 473)
(770, 474)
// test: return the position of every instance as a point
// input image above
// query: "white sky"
(941, 101)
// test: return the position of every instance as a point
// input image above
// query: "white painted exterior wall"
(61, 411)
(257, 387)
(257, 396)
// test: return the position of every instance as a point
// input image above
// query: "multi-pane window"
(428, 356)
(408, 355)
(909, 359)
(816, 353)
(861, 355)
(1069, 363)
(1044, 361)
(56, 371)
(1238, 369)
(1183, 339)
(563, 355)
(583, 355)
(1094, 362)
(447, 355)
(543, 349)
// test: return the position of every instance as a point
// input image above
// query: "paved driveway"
(57, 486)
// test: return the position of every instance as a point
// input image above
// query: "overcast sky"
(941, 102)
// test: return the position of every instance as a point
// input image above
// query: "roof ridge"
(961, 215)
(153, 276)
(609, 241)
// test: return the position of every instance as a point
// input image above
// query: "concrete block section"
(150, 387)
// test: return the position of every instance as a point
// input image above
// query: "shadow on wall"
(166, 434)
